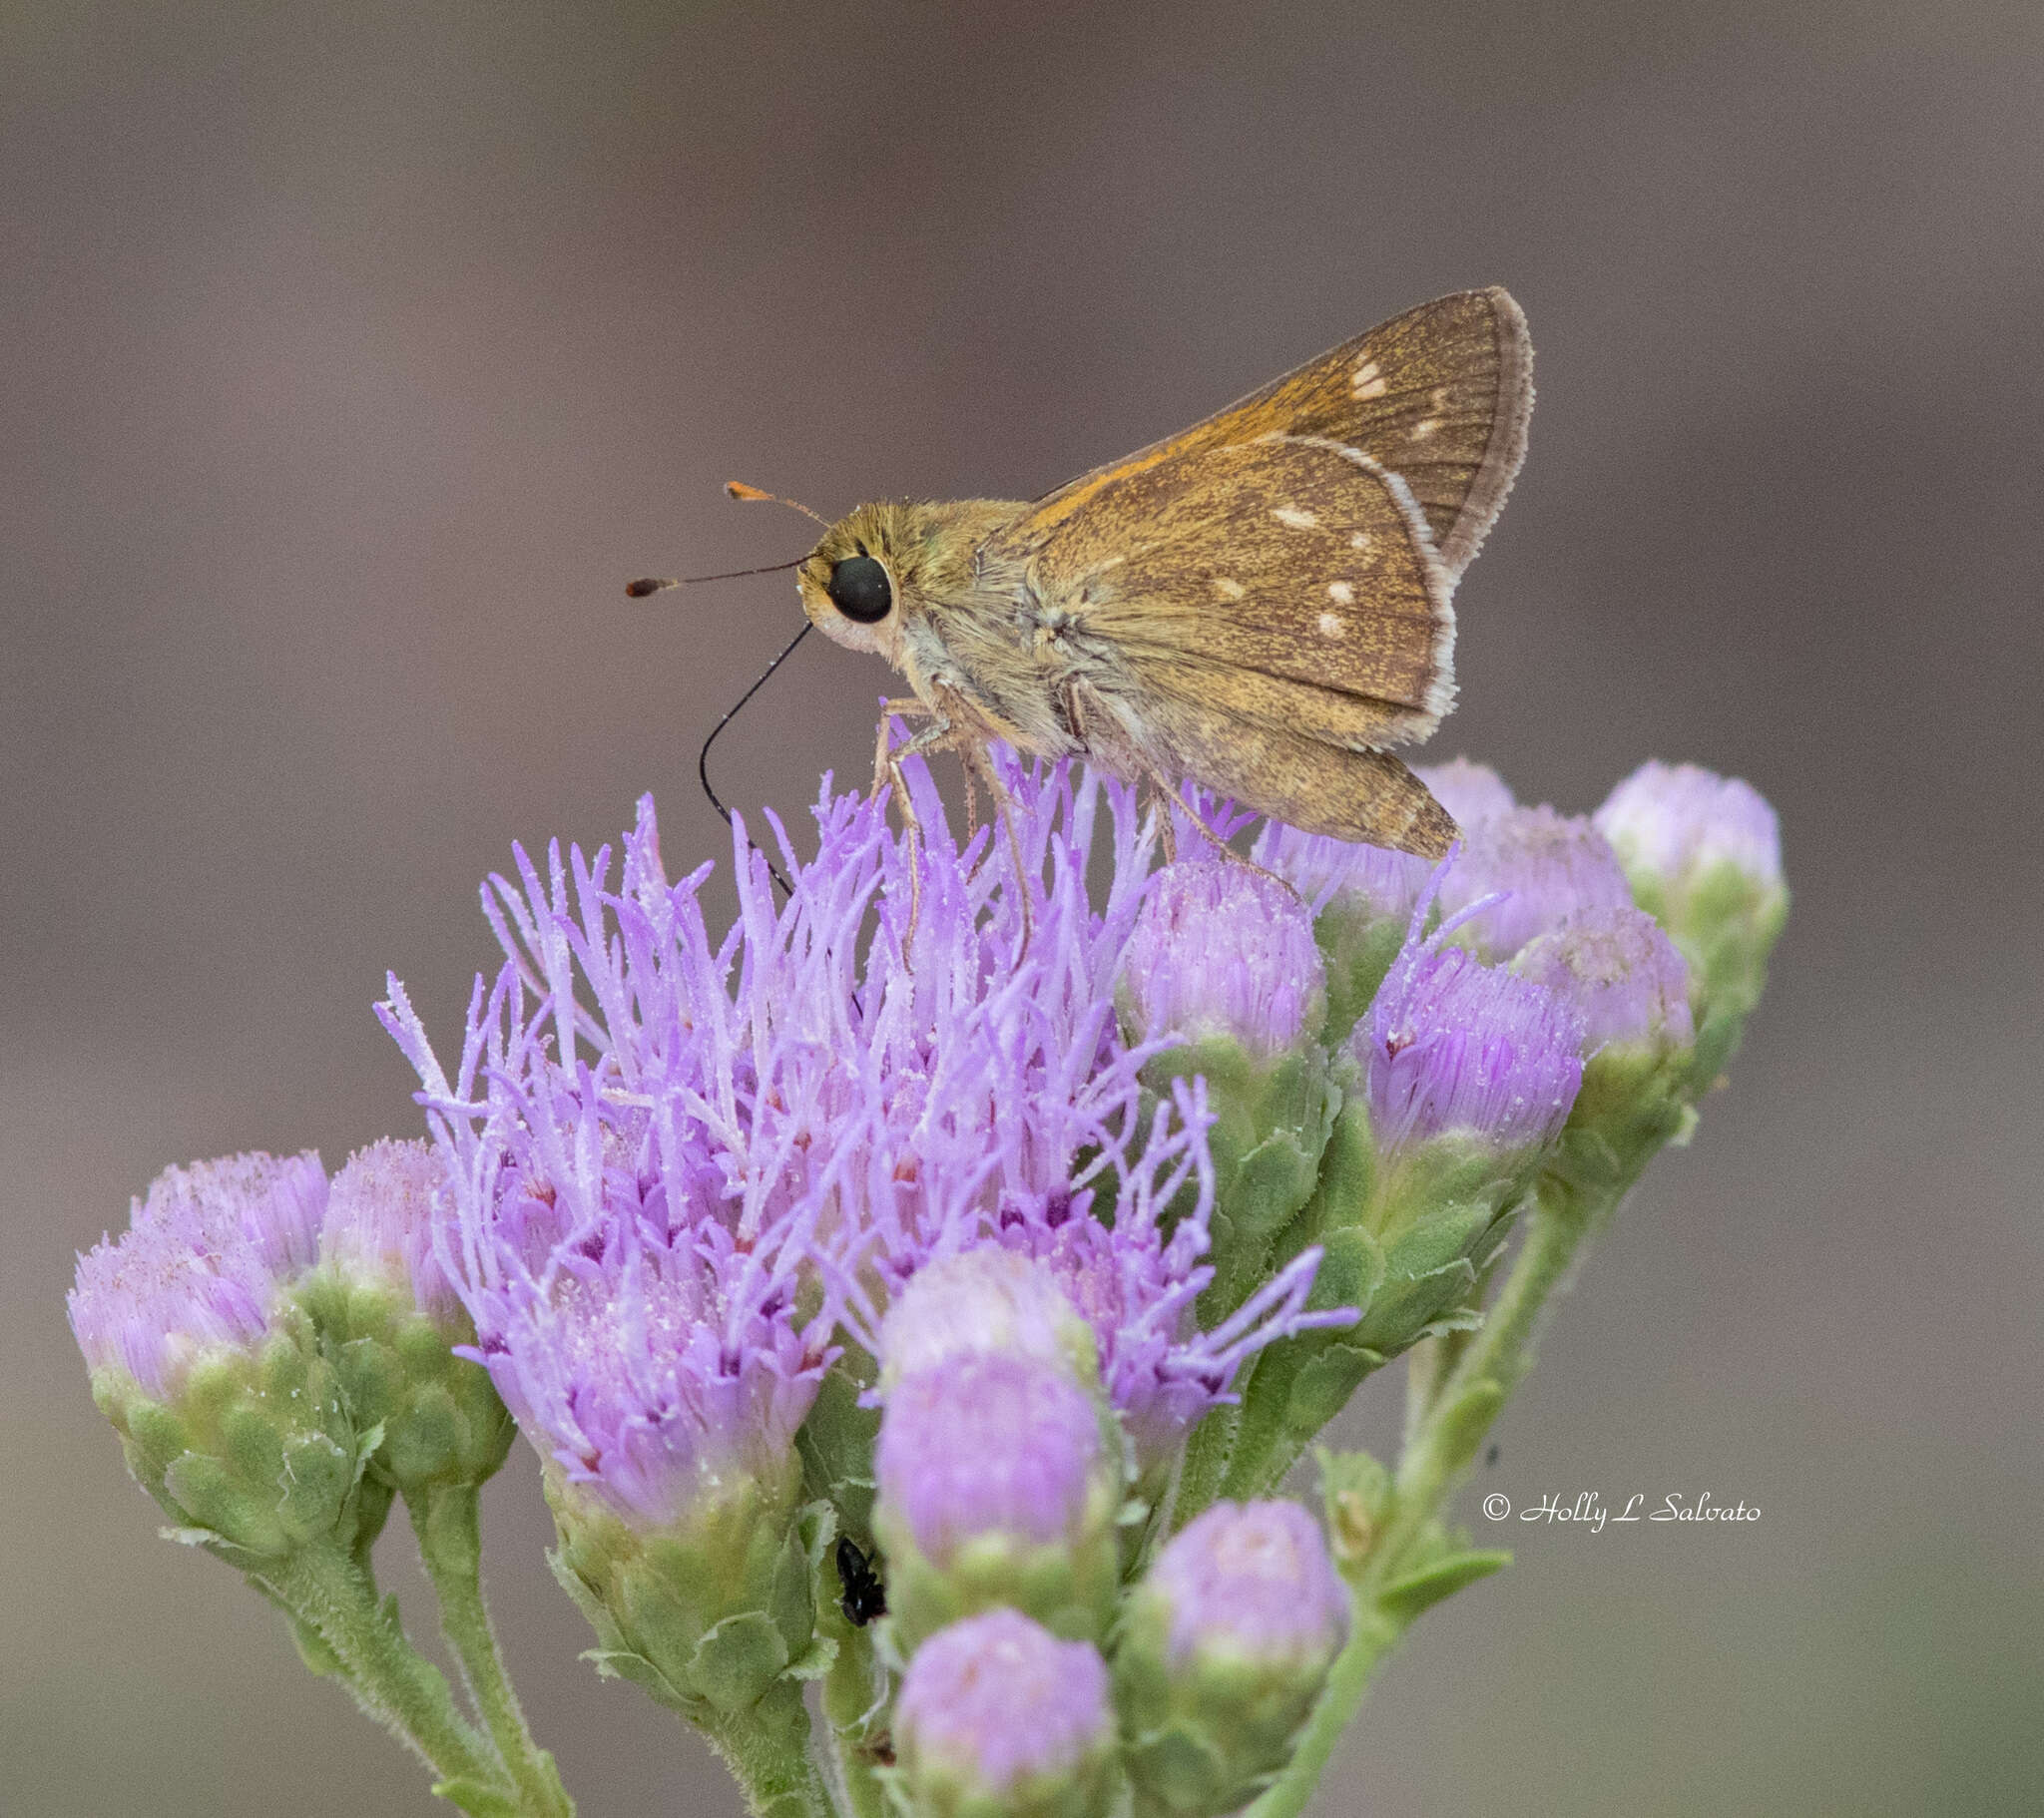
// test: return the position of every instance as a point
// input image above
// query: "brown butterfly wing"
(1287, 561)
(1440, 396)
(1260, 619)
(1321, 788)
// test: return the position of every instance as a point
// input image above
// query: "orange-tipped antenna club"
(753, 495)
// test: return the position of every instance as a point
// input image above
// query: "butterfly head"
(856, 579)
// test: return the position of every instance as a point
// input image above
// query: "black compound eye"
(859, 589)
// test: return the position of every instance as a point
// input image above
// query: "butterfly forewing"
(1287, 561)
(1440, 396)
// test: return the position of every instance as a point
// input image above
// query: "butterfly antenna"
(656, 584)
(702, 757)
(752, 494)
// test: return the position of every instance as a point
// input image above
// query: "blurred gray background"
(353, 356)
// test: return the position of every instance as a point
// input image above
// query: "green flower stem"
(1443, 1443)
(861, 1794)
(766, 1749)
(1426, 1371)
(1497, 1361)
(447, 1521)
(324, 1587)
(850, 1690)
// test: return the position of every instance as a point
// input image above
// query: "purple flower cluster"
(642, 1345)
(650, 1136)
(199, 1267)
(952, 1132)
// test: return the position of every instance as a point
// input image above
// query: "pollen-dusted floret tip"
(1544, 867)
(200, 1267)
(1621, 974)
(380, 1223)
(1454, 1046)
(997, 1716)
(1220, 950)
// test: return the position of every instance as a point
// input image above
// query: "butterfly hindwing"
(1440, 396)
(1317, 787)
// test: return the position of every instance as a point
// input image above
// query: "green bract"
(442, 1421)
(1271, 1119)
(259, 1454)
(708, 1612)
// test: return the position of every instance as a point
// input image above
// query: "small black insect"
(1490, 1457)
(865, 1595)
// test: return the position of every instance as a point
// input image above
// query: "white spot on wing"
(1331, 626)
(1293, 519)
(1424, 428)
(1341, 592)
(1361, 539)
(1367, 383)
(1226, 589)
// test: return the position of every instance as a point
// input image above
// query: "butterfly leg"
(1167, 827)
(972, 800)
(1172, 799)
(888, 775)
(939, 735)
(910, 707)
(975, 758)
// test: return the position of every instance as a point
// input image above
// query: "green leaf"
(1463, 1422)
(837, 1447)
(1324, 1384)
(366, 1443)
(481, 1798)
(1406, 1598)
(1456, 1319)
